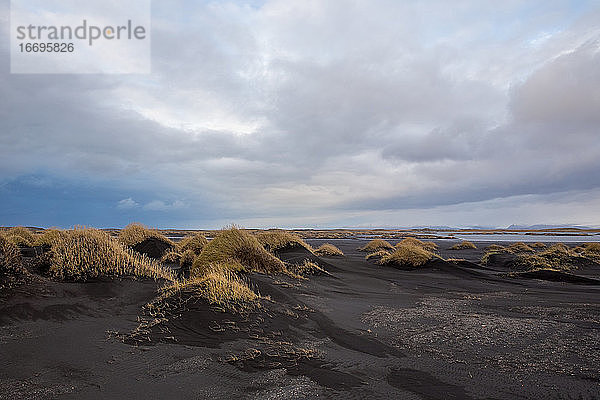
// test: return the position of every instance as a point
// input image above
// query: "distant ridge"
(542, 226)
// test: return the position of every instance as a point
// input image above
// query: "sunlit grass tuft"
(278, 240)
(20, 236)
(195, 243)
(238, 250)
(537, 245)
(82, 254)
(407, 256)
(410, 241)
(187, 259)
(47, 237)
(377, 254)
(170, 257)
(520, 247)
(375, 245)
(328, 250)
(464, 245)
(135, 233)
(10, 256)
(219, 285)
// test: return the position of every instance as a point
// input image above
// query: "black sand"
(448, 331)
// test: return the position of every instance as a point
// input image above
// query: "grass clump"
(10, 256)
(411, 241)
(497, 248)
(81, 254)
(135, 233)
(376, 245)
(520, 247)
(328, 250)
(407, 256)
(193, 243)
(557, 257)
(306, 268)
(537, 245)
(590, 251)
(20, 236)
(219, 286)
(170, 257)
(47, 237)
(464, 245)
(187, 259)
(237, 250)
(378, 254)
(280, 240)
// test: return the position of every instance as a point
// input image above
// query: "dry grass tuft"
(10, 256)
(187, 259)
(278, 240)
(20, 236)
(496, 247)
(306, 268)
(238, 250)
(375, 245)
(81, 254)
(194, 243)
(537, 245)
(407, 256)
(170, 257)
(378, 254)
(557, 257)
(48, 237)
(464, 245)
(218, 285)
(135, 233)
(411, 241)
(591, 251)
(520, 247)
(328, 250)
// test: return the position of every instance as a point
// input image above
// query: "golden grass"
(81, 254)
(520, 247)
(375, 245)
(411, 241)
(496, 247)
(10, 255)
(328, 250)
(187, 259)
(307, 267)
(170, 257)
(218, 285)
(537, 245)
(20, 236)
(378, 254)
(557, 257)
(47, 237)
(407, 255)
(195, 243)
(464, 245)
(238, 250)
(277, 240)
(135, 233)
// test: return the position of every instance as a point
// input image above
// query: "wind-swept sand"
(446, 331)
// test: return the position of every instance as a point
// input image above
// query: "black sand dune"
(451, 330)
(152, 247)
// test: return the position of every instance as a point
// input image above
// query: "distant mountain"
(542, 226)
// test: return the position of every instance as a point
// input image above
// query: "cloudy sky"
(318, 113)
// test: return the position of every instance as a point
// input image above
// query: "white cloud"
(159, 205)
(127, 204)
